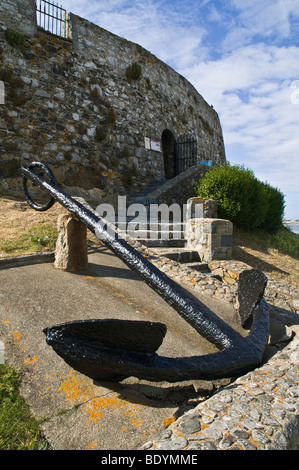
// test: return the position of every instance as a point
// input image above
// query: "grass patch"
(18, 429)
(16, 39)
(275, 254)
(36, 238)
(284, 240)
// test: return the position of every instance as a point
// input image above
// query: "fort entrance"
(168, 144)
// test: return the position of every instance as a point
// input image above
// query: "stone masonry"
(205, 233)
(71, 104)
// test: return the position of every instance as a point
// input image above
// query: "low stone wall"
(180, 189)
(198, 207)
(277, 294)
(259, 411)
(211, 237)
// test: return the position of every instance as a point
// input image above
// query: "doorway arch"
(168, 143)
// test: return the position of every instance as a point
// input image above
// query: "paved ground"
(80, 414)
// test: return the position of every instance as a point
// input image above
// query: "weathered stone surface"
(198, 207)
(251, 287)
(248, 414)
(71, 246)
(211, 238)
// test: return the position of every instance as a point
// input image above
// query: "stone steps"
(166, 237)
(147, 226)
(163, 243)
(181, 255)
(189, 258)
(144, 196)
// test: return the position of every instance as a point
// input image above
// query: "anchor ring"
(51, 177)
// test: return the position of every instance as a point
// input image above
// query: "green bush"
(276, 206)
(15, 39)
(242, 198)
(134, 72)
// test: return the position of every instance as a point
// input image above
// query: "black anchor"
(113, 349)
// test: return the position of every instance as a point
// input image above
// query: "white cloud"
(267, 18)
(250, 89)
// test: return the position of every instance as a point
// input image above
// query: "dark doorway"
(168, 142)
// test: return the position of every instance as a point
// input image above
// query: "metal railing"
(51, 17)
(185, 153)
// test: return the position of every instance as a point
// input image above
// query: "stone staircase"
(147, 195)
(164, 237)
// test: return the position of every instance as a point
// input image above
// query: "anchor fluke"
(98, 348)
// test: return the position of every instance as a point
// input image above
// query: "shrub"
(242, 198)
(133, 72)
(15, 39)
(276, 206)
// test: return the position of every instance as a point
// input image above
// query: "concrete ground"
(77, 413)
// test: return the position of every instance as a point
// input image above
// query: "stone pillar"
(71, 246)
(211, 238)
(205, 233)
(198, 207)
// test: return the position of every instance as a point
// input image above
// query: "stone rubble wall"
(259, 411)
(69, 103)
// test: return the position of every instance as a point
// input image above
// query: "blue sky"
(241, 55)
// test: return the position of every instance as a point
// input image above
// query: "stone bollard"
(71, 246)
(205, 233)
